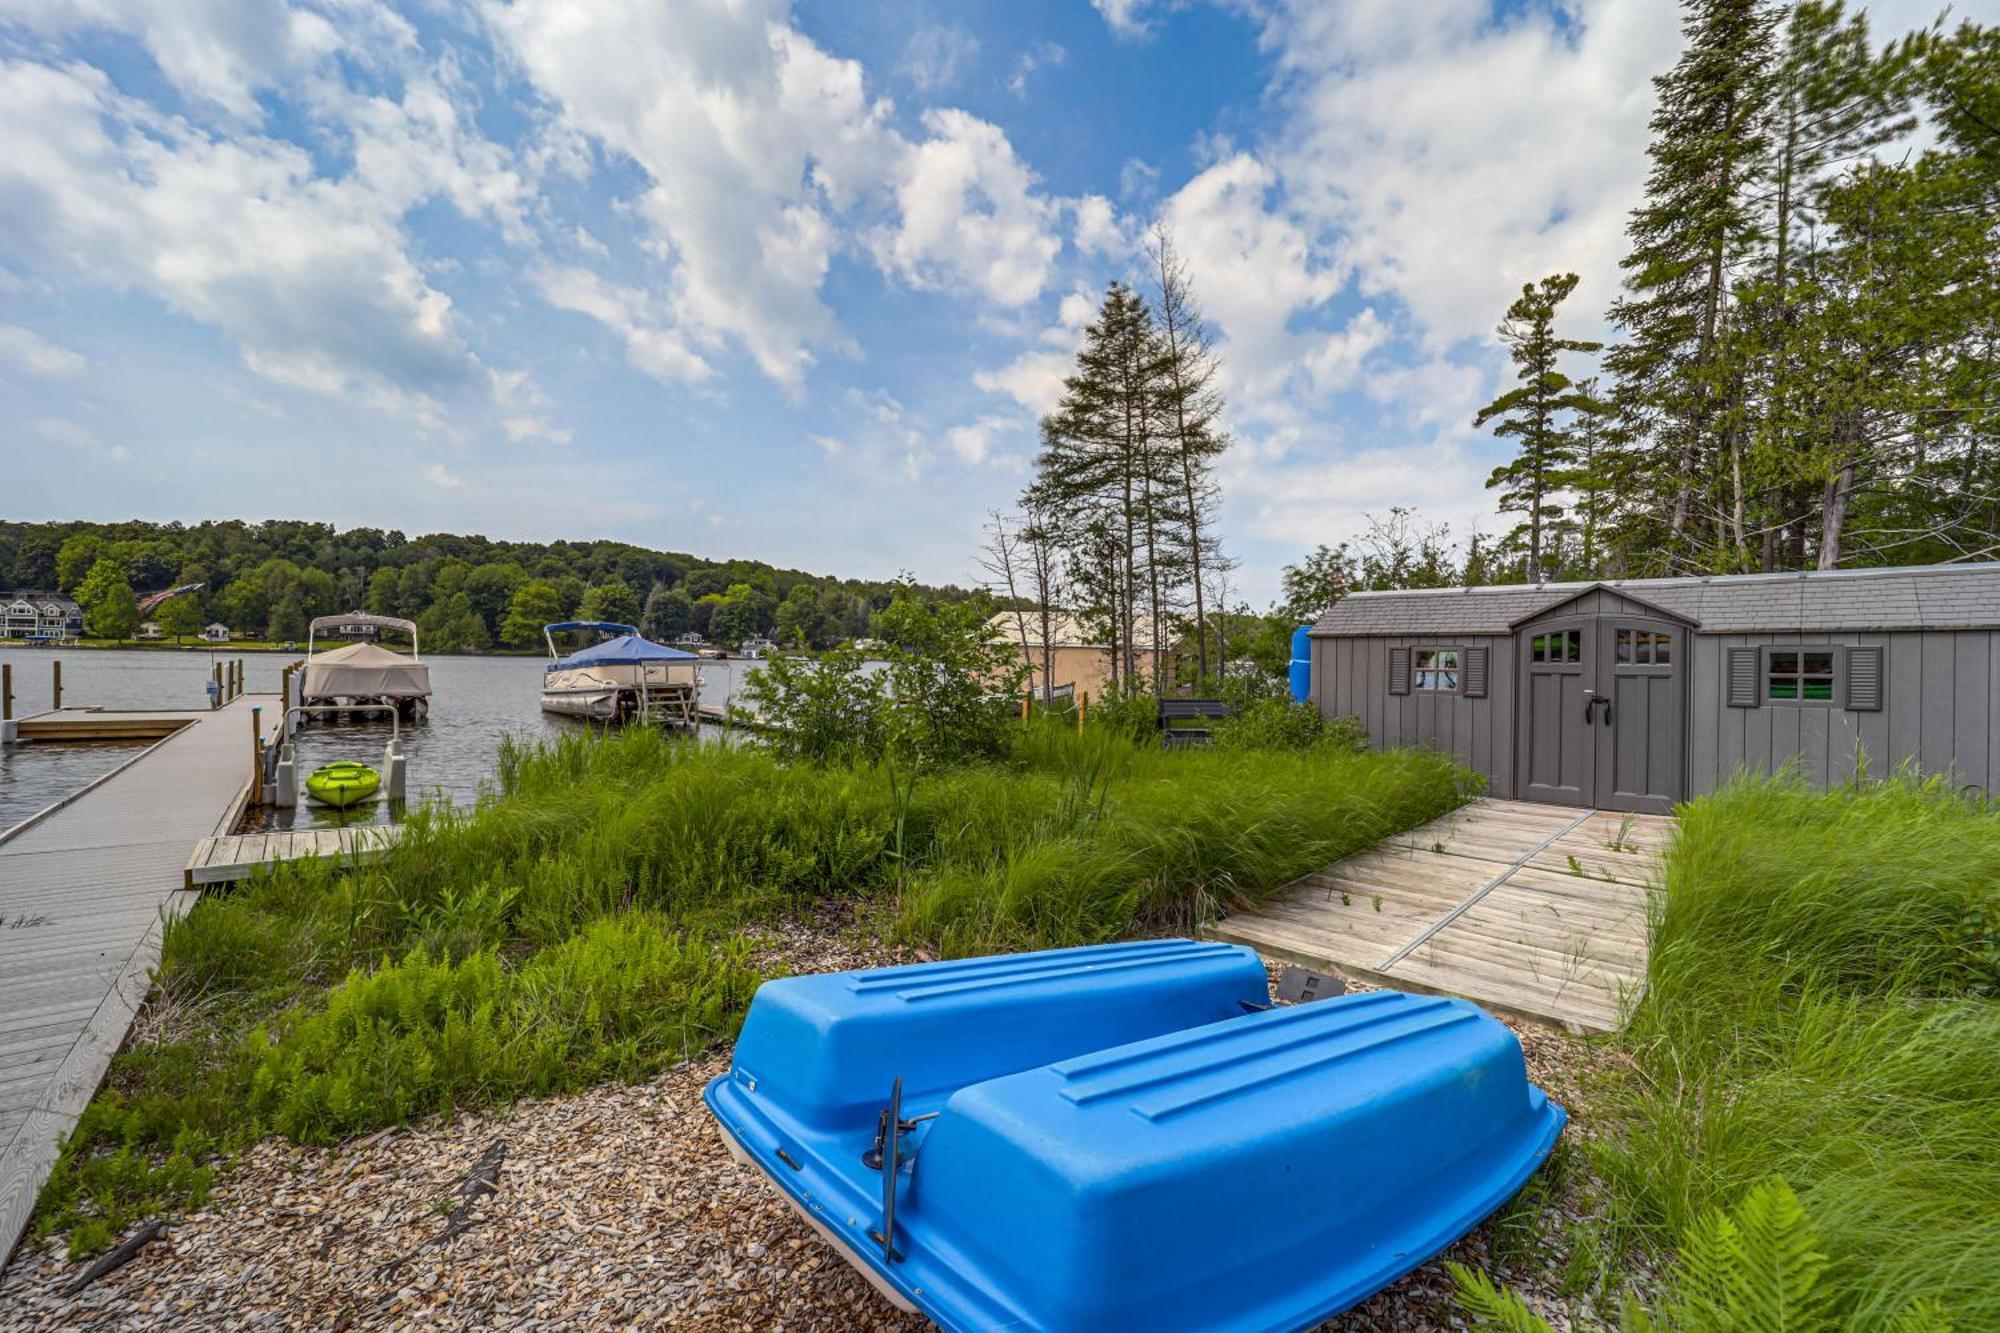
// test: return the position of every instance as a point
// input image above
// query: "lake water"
(474, 702)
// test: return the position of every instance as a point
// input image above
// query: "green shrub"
(1284, 724)
(422, 1036)
(824, 710)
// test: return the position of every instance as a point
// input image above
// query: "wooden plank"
(83, 891)
(1528, 938)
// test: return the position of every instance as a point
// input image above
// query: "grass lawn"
(582, 925)
(1821, 1007)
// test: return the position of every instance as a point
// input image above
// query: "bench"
(1175, 710)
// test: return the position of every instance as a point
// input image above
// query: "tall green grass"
(581, 922)
(1820, 1004)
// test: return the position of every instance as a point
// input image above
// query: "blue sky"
(784, 281)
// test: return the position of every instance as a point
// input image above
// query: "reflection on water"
(35, 776)
(475, 701)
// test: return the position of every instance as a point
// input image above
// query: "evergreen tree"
(1538, 414)
(1697, 222)
(1191, 414)
(1833, 103)
(1098, 473)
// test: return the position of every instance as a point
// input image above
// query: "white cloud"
(764, 155)
(307, 276)
(937, 57)
(1042, 55)
(1034, 379)
(36, 354)
(973, 441)
(1300, 493)
(1099, 231)
(746, 132)
(650, 344)
(222, 52)
(437, 475)
(1449, 201)
(1257, 271)
(970, 214)
(1126, 18)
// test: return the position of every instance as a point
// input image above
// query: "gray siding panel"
(1970, 719)
(1935, 739)
(1903, 700)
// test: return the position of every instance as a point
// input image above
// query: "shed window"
(1563, 645)
(1645, 647)
(1799, 675)
(1437, 670)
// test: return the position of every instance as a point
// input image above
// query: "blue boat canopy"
(629, 648)
(1126, 1136)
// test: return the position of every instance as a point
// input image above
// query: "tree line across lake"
(466, 593)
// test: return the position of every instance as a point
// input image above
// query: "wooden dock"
(1535, 911)
(226, 858)
(86, 887)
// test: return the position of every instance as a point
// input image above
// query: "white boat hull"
(609, 693)
(599, 704)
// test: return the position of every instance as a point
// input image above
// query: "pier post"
(215, 695)
(1082, 707)
(7, 728)
(256, 756)
(56, 700)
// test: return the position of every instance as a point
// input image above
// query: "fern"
(1494, 1308)
(1754, 1269)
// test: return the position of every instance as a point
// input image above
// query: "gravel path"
(614, 1207)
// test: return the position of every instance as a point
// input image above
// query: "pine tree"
(1534, 413)
(1191, 411)
(1098, 474)
(1709, 150)
(1833, 102)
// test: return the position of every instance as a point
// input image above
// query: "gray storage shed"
(1633, 694)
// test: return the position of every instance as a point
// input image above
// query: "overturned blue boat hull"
(1123, 1136)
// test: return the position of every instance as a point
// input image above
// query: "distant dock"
(86, 887)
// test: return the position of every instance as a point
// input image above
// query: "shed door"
(1558, 759)
(1638, 714)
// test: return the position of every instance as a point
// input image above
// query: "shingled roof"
(1923, 597)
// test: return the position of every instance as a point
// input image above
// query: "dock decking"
(1536, 911)
(85, 888)
(224, 858)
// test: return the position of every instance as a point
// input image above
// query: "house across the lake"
(1079, 657)
(1633, 694)
(39, 617)
(215, 632)
(149, 629)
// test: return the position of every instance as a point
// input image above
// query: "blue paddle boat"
(1128, 1136)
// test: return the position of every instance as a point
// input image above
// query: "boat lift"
(281, 782)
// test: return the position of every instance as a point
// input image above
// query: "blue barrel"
(1302, 667)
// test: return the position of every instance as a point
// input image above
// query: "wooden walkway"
(1536, 911)
(222, 859)
(85, 889)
